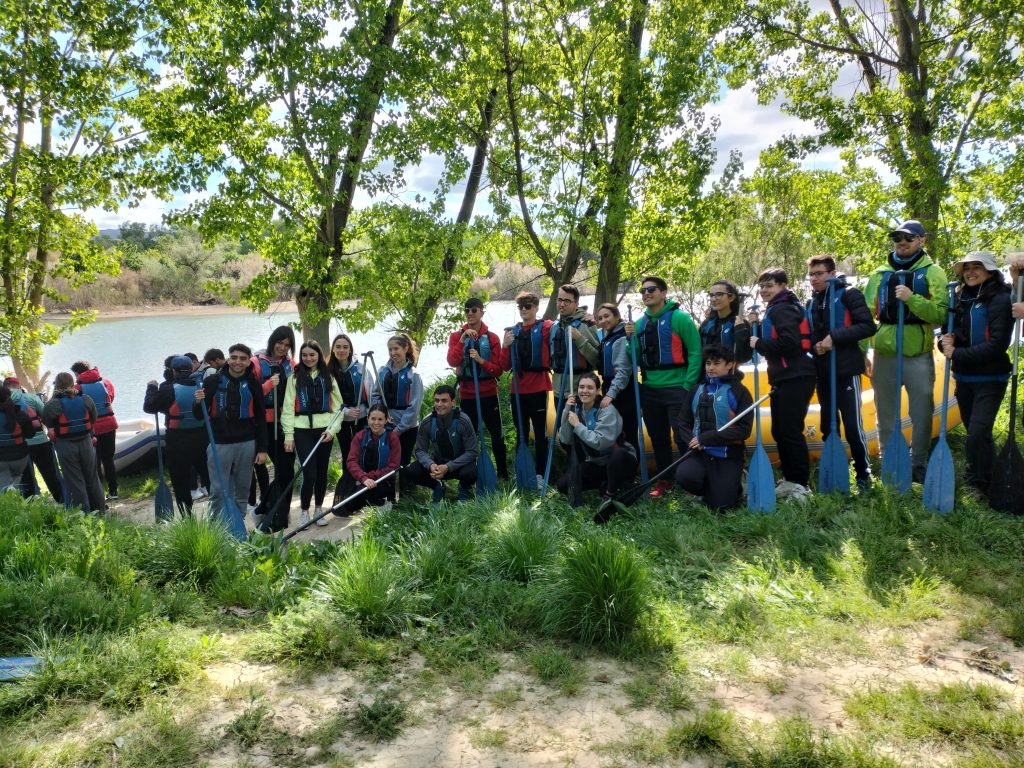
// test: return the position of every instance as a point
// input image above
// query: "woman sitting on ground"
(375, 451)
(593, 432)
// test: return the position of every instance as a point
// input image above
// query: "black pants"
(41, 456)
(345, 434)
(105, 460)
(535, 415)
(848, 397)
(625, 404)
(374, 497)
(185, 454)
(661, 408)
(420, 475)
(789, 412)
(284, 467)
(717, 481)
(314, 476)
(979, 403)
(492, 420)
(611, 478)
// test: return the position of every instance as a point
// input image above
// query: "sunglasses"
(472, 310)
(527, 305)
(903, 238)
(649, 289)
(717, 294)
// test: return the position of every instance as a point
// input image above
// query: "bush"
(600, 591)
(522, 542)
(314, 636)
(194, 550)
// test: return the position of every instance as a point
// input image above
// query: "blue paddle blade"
(896, 463)
(231, 517)
(164, 503)
(834, 469)
(940, 480)
(760, 482)
(486, 479)
(526, 477)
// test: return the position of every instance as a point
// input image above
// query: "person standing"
(572, 319)
(446, 447)
(350, 377)
(238, 421)
(16, 428)
(528, 342)
(401, 390)
(72, 415)
(784, 339)
(668, 355)
(40, 452)
(616, 369)
(853, 324)
(373, 452)
(272, 367)
(982, 326)
(186, 439)
(723, 323)
(714, 470)
(310, 420)
(101, 391)
(474, 345)
(920, 296)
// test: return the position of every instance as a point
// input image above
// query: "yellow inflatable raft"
(815, 441)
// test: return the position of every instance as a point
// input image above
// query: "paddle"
(1006, 491)
(760, 478)
(630, 497)
(526, 476)
(636, 397)
(286, 494)
(229, 513)
(833, 469)
(554, 433)
(896, 452)
(341, 503)
(486, 479)
(939, 492)
(164, 505)
(574, 470)
(345, 482)
(60, 476)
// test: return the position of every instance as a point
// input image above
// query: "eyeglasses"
(717, 294)
(472, 310)
(817, 274)
(565, 301)
(903, 238)
(649, 289)
(765, 286)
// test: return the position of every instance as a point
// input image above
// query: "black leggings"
(717, 481)
(105, 460)
(345, 434)
(611, 478)
(41, 457)
(535, 414)
(314, 476)
(186, 451)
(284, 466)
(789, 412)
(492, 420)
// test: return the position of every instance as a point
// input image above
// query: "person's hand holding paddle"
(946, 345)
(261, 457)
(695, 445)
(200, 394)
(289, 446)
(370, 483)
(570, 408)
(903, 292)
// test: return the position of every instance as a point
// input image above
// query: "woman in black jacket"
(981, 364)
(723, 324)
(16, 427)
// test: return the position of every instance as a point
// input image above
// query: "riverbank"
(127, 312)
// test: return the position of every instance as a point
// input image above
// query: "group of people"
(607, 374)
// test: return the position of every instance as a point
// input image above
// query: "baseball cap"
(181, 363)
(10, 381)
(909, 227)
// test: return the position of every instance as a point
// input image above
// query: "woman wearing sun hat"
(978, 350)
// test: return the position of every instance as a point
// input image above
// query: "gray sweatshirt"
(601, 438)
(586, 347)
(622, 363)
(427, 450)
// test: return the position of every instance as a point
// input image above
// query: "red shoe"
(661, 488)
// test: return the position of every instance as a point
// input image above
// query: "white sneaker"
(783, 489)
(196, 494)
(322, 522)
(540, 482)
(250, 510)
(303, 517)
(387, 506)
(800, 492)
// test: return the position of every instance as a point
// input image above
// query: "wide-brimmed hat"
(987, 259)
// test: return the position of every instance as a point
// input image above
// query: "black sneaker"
(864, 482)
(918, 473)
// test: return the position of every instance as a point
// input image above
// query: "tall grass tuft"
(195, 550)
(372, 584)
(522, 542)
(599, 592)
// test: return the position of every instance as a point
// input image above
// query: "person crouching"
(715, 468)
(445, 447)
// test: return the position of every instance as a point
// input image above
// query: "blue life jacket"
(887, 306)
(606, 353)
(74, 416)
(179, 415)
(769, 331)
(820, 315)
(224, 408)
(100, 396)
(397, 389)
(266, 364)
(10, 432)
(589, 420)
(658, 347)
(383, 448)
(530, 351)
(312, 395)
(714, 403)
(350, 384)
(452, 440)
(481, 345)
(557, 354)
(715, 330)
(975, 322)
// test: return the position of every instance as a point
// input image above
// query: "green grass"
(557, 669)
(381, 719)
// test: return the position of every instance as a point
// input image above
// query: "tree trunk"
(623, 151)
(419, 322)
(573, 256)
(314, 303)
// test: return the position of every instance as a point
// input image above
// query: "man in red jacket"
(89, 382)
(475, 346)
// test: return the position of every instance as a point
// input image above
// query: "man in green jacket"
(920, 294)
(668, 355)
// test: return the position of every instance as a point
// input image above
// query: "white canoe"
(135, 442)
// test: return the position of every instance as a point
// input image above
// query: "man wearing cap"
(474, 346)
(920, 295)
(185, 438)
(101, 390)
(40, 452)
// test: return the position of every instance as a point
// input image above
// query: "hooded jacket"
(106, 423)
(980, 353)
(845, 338)
(409, 417)
(683, 327)
(734, 437)
(599, 440)
(456, 353)
(587, 346)
(917, 339)
(786, 357)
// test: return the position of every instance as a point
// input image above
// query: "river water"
(131, 351)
